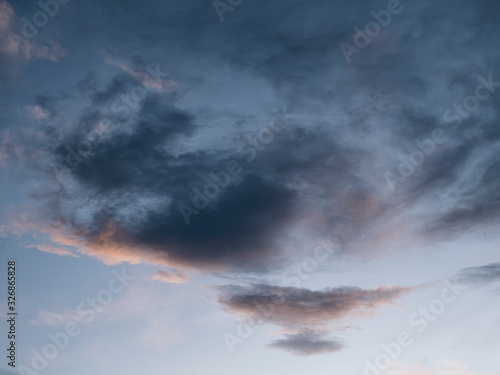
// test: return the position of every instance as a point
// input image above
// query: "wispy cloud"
(480, 276)
(308, 343)
(171, 277)
(54, 250)
(16, 49)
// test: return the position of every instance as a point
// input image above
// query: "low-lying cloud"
(312, 313)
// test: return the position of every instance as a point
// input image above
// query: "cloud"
(170, 277)
(312, 313)
(480, 276)
(133, 182)
(54, 250)
(17, 50)
(8, 148)
(307, 343)
(298, 306)
(323, 174)
(37, 112)
(140, 170)
(57, 319)
(145, 75)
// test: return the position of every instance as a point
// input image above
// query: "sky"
(251, 187)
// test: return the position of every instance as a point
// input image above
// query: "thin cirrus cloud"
(307, 343)
(53, 250)
(170, 277)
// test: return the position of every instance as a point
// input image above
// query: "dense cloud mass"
(145, 153)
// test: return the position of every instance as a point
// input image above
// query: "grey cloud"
(294, 306)
(480, 276)
(308, 343)
(313, 313)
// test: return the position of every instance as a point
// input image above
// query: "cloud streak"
(480, 276)
(307, 343)
(170, 277)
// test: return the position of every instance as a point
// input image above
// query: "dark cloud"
(311, 312)
(480, 276)
(352, 123)
(143, 159)
(479, 204)
(119, 85)
(308, 343)
(286, 306)
(235, 229)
